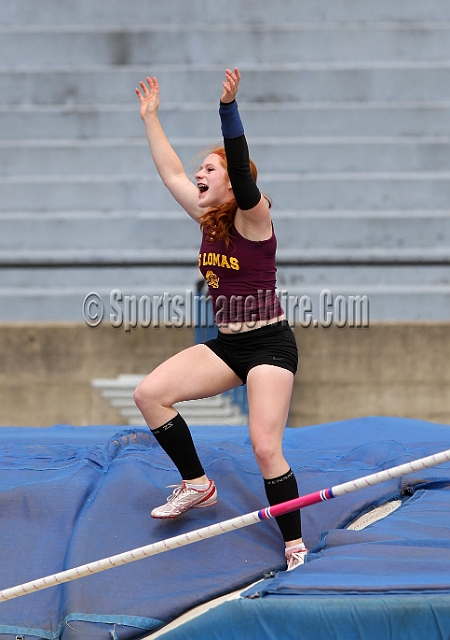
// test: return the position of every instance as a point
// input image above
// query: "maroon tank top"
(241, 279)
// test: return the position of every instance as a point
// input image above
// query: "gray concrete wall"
(47, 369)
(389, 369)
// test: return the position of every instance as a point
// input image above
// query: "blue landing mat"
(70, 495)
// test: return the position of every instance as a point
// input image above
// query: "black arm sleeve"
(244, 187)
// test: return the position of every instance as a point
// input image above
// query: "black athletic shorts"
(273, 344)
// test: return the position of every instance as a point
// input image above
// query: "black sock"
(176, 440)
(279, 490)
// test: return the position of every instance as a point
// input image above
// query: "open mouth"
(202, 187)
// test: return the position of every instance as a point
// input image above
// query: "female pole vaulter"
(255, 344)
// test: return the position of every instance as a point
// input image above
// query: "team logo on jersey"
(212, 279)
(211, 259)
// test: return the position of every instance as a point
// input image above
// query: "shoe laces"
(179, 488)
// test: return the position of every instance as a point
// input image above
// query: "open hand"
(148, 96)
(231, 85)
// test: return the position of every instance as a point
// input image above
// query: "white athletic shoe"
(295, 556)
(185, 498)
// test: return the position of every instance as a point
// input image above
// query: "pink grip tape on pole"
(223, 527)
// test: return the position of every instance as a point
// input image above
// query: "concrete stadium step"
(350, 142)
(352, 81)
(38, 122)
(195, 412)
(141, 281)
(64, 303)
(394, 293)
(216, 410)
(233, 11)
(368, 233)
(336, 191)
(137, 280)
(399, 302)
(134, 419)
(318, 236)
(97, 233)
(171, 258)
(34, 45)
(346, 279)
(271, 154)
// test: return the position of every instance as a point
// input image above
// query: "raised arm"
(253, 215)
(168, 164)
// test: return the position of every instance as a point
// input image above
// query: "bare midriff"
(241, 327)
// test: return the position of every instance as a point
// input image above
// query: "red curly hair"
(217, 221)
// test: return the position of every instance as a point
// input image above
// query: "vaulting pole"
(223, 527)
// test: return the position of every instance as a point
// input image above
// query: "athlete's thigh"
(196, 372)
(269, 391)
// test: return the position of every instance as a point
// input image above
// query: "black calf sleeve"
(279, 490)
(176, 440)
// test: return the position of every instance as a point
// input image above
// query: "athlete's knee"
(266, 451)
(139, 395)
(146, 395)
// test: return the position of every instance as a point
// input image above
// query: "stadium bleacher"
(346, 108)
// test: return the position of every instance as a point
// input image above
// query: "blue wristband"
(232, 126)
